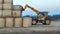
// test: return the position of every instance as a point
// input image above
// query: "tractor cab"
(41, 14)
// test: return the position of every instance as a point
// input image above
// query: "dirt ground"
(53, 28)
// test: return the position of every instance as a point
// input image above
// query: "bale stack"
(7, 12)
(9, 22)
(18, 22)
(10, 15)
(1, 13)
(2, 20)
(27, 22)
(17, 13)
(1, 1)
(7, 8)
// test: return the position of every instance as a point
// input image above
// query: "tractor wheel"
(47, 22)
(33, 22)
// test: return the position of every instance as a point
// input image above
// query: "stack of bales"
(17, 13)
(10, 15)
(2, 20)
(27, 22)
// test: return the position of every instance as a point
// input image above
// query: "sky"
(50, 6)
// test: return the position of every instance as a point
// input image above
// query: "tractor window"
(40, 15)
(46, 14)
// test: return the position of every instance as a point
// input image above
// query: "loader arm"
(27, 6)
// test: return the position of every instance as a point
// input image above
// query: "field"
(53, 28)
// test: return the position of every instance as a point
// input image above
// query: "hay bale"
(2, 22)
(1, 6)
(9, 22)
(17, 13)
(7, 13)
(1, 1)
(27, 22)
(1, 13)
(7, 6)
(18, 22)
(8, 1)
(17, 7)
